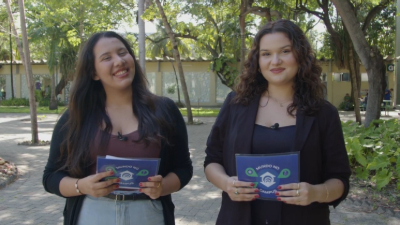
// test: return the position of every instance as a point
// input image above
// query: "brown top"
(124, 148)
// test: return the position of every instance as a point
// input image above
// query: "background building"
(204, 87)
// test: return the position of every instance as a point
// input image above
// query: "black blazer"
(318, 138)
(174, 158)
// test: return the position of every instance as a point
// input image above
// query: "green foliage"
(214, 35)
(46, 102)
(38, 95)
(346, 106)
(226, 69)
(15, 102)
(171, 89)
(374, 151)
(382, 31)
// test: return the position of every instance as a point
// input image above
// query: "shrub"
(346, 106)
(15, 102)
(374, 151)
(46, 102)
(38, 95)
(180, 104)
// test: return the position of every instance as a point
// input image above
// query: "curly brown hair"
(308, 88)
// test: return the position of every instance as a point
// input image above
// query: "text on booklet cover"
(130, 171)
(267, 172)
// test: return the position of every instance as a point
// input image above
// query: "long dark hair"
(87, 109)
(308, 89)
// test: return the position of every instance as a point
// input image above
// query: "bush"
(180, 104)
(346, 106)
(374, 152)
(46, 102)
(38, 95)
(15, 102)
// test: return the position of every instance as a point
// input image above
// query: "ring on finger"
(159, 184)
(236, 191)
(298, 186)
(233, 183)
(297, 193)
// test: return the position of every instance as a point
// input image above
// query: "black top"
(268, 141)
(174, 159)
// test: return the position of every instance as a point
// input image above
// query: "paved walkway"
(26, 202)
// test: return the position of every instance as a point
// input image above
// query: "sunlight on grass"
(200, 112)
(25, 109)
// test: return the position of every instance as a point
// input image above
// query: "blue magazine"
(131, 171)
(267, 172)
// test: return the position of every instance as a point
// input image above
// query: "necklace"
(281, 104)
(262, 106)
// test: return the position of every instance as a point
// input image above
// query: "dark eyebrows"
(280, 48)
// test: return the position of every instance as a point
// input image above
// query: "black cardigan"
(174, 159)
(318, 138)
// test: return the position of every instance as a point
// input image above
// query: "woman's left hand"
(153, 187)
(296, 193)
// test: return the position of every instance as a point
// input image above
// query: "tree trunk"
(350, 61)
(53, 100)
(242, 25)
(177, 83)
(178, 61)
(29, 75)
(11, 66)
(142, 43)
(354, 84)
(370, 58)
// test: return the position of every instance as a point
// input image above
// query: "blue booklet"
(267, 172)
(131, 171)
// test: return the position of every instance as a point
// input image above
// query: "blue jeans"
(105, 211)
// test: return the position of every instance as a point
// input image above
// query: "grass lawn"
(198, 112)
(25, 109)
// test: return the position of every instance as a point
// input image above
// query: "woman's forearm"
(171, 184)
(329, 191)
(67, 187)
(216, 174)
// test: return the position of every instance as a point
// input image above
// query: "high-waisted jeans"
(105, 211)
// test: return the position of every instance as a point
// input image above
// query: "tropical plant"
(374, 151)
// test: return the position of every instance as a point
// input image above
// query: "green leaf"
(398, 167)
(382, 178)
(379, 162)
(362, 173)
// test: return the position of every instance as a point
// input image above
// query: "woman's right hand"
(91, 185)
(240, 191)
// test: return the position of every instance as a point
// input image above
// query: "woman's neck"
(280, 93)
(116, 99)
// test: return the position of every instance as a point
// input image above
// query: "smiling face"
(277, 61)
(114, 66)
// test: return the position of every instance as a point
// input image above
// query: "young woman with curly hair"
(279, 107)
(112, 112)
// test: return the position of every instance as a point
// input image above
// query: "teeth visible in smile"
(121, 72)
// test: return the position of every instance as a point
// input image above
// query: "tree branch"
(315, 13)
(371, 15)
